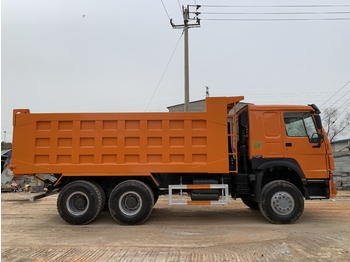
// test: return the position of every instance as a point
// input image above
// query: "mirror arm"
(320, 140)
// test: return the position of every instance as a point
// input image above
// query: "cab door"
(300, 129)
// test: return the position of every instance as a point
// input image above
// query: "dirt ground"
(33, 231)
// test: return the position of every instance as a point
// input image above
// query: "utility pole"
(5, 136)
(186, 25)
(186, 62)
(206, 91)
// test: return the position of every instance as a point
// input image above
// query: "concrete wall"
(343, 145)
(342, 166)
(195, 106)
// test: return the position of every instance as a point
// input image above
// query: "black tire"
(156, 196)
(250, 203)
(281, 202)
(103, 195)
(105, 207)
(79, 202)
(131, 202)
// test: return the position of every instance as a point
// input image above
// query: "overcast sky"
(110, 55)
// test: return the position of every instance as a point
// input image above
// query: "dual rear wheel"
(79, 202)
(130, 202)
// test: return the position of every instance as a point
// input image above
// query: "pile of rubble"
(10, 183)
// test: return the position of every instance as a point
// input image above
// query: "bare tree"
(335, 122)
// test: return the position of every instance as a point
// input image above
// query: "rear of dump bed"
(112, 144)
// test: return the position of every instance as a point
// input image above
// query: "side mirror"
(318, 121)
(317, 138)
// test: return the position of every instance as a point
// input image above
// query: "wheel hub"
(80, 202)
(130, 203)
(77, 203)
(282, 203)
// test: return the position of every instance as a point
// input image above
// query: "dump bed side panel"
(112, 143)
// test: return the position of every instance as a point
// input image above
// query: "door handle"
(288, 144)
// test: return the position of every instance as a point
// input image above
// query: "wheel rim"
(130, 203)
(77, 203)
(282, 203)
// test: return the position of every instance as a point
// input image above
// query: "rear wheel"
(131, 202)
(156, 196)
(79, 202)
(103, 195)
(281, 202)
(250, 203)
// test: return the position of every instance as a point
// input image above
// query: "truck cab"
(284, 143)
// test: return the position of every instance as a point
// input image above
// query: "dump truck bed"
(122, 143)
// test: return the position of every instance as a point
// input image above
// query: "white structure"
(341, 145)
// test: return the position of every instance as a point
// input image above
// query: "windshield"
(299, 124)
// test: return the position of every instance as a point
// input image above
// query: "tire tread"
(65, 214)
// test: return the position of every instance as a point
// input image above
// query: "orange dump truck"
(272, 157)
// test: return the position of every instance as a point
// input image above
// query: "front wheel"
(281, 202)
(131, 202)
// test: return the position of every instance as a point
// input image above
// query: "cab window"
(299, 124)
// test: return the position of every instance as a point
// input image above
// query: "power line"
(326, 12)
(345, 108)
(339, 99)
(178, 1)
(341, 111)
(165, 9)
(343, 104)
(274, 6)
(161, 78)
(339, 107)
(272, 13)
(336, 93)
(276, 19)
